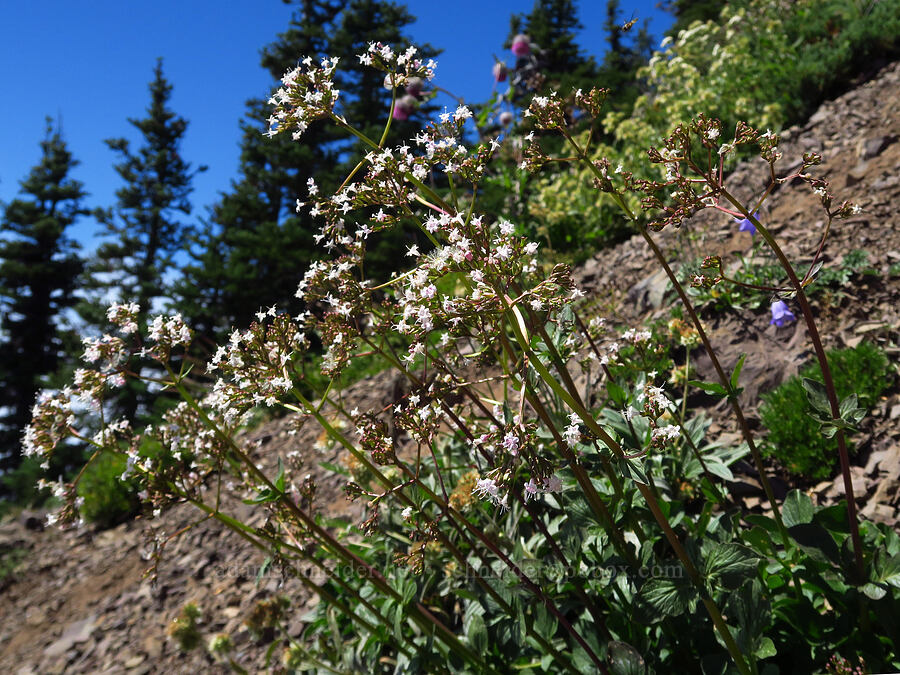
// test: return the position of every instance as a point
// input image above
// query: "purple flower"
(746, 225)
(500, 71)
(781, 314)
(521, 45)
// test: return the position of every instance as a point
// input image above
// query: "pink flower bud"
(506, 118)
(520, 45)
(414, 86)
(500, 72)
(404, 107)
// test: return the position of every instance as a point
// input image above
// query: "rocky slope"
(78, 603)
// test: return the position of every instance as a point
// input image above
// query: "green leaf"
(716, 468)
(261, 573)
(625, 659)
(409, 591)
(885, 573)
(616, 394)
(874, 591)
(633, 469)
(668, 597)
(476, 633)
(736, 373)
(279, 477)
(816, 541)
(797, 509)
(711, 387)
(817, 396)
(753, 614)
(765, 648)
(729, 564)
(544, 622)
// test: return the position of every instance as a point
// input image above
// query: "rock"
(33, 521)
(649, 293)
(879, 513)
(857, 174)
(872, 147)
(153, 645)
(134, 661)
(35, 616)
(75, 633)
(859, 485)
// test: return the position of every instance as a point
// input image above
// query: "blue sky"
(89, 63)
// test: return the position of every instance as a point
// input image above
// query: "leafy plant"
(184, 629)
(108, 499)
(794, 436)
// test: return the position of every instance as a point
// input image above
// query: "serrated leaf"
(668, 597)
(885, 572)
(817, 396)
(729, 564)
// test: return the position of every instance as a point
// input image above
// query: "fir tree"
(629, 50)
(144, 227)
(255, 247)
(552, 27)
(39, 265)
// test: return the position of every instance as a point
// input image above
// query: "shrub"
(184, 629)
(794, 437)
(108, 500)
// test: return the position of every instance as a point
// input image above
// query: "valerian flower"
(404, 107)
(781, 314)
(500, 71)
(521, 46)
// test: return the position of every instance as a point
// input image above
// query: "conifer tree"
(39, 265)
(255, 247)
(629, 50)
(551, 27)
(144, 228)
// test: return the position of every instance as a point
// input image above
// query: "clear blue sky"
(89, 63)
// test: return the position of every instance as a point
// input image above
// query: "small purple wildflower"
(500, 71)
(746, 225)
(781, 314)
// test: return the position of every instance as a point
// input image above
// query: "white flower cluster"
(401, 66)
(307, 94)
